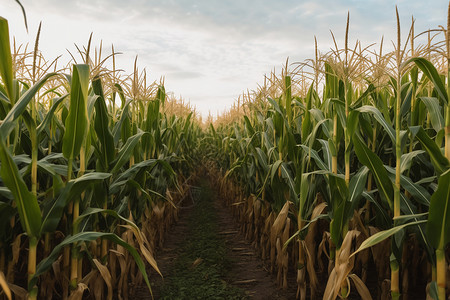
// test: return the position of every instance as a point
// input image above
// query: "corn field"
(85, 181)
(341, 166)
(336, 169)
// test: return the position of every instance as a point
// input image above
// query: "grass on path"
(202, 263)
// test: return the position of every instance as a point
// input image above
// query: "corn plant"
(369, 155)
(83, 174)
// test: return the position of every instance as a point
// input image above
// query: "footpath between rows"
(206, 257)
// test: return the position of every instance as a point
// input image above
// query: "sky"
(211, 51)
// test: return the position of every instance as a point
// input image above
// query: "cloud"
(209, 50)
(185, 75)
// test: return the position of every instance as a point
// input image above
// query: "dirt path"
(225, 266)
(249, 272)
(166, 256)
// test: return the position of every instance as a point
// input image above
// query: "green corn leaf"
(161, 94)
(277, 109)
(302, 232)
(288, 97)
(406, 94)
(47, 262)
(433, 291)
(50, 114)
(363, 96)
(436, 114)
(331, 82)
(340, 205)
(382, 235)
(91, 101)
(132, 172)
(380, 119)
(304, 192)
(133, 184)
(357, 184)
(320, 118)
(317, 114)
(77, 121)
(327, 158)
(411, 214)
(6, 193)
(262, 159)
(339, 107)
(407, 159)
(152, 119)
(125, 152)
(27, 205)
(211, 127)
(367, 125)
(123, 122)
(439, 161)
(101, 125)
(249, 126)
(332, 147)
(313, 154)
(73, 189)
(47, 167)
(121, 95)
(28, 120)
(310, 139)
(46, 162)
(93, 211)
(274, 168)
(306, 121)
(374, 163)
(438, 226)
(187, 122)
(287, 176)
(430, 71)
(352, 122)
(419, 193)
(381, 212)
(20, 106)
(6, 71)
(415, 217)
(337, 224)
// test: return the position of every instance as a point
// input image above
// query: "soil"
(245, 275)
(249, 272)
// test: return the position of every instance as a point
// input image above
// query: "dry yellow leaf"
(106, 276)
(5, 286)
(361, 287)
(78, 293)
(19, 292)
(196, 262)
(16, 248)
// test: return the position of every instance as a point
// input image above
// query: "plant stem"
(32, 251)
(347, 141)
(441, 268)
(34, 158)
(395, 270)
(447, 130)
(395, 273)
(334, 155)
(104, 250)
(75, 254)
(74, 278)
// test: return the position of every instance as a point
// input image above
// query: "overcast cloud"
(211, 51)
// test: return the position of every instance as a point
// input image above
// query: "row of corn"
(339, 170)
(93, 166)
